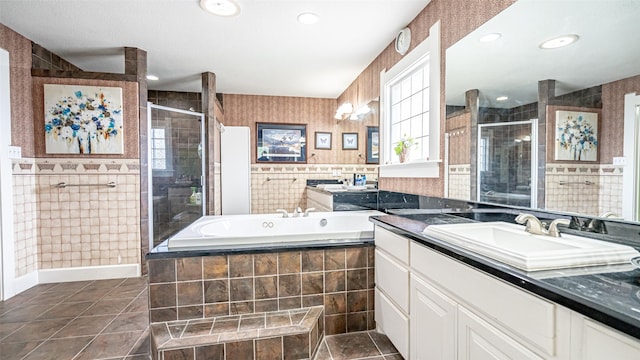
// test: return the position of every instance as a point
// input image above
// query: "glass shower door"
(176, 162)
(507, 163)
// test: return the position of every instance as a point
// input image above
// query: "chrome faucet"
(297, 211)
(307, 211)
(553, 227)
(284, 213)
(533, 224)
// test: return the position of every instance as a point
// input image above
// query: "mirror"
(513, 79)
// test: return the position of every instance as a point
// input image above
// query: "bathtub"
(233, 231)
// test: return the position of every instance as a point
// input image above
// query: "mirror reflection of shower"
(176, 161)
(506, 163)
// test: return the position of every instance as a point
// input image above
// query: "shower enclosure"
(176, 164)
(507, 163)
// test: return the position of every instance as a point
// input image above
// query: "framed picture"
(349, 141)
(373, 152)
(576, 136)
(83, 119)
(284, 143)
(323, 140)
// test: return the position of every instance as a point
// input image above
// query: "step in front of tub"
(270, 335)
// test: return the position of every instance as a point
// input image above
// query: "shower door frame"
(203, 160)
(534, 156)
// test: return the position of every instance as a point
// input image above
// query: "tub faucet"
(297, 211)
(307, 211)
(553, 227)
(533, 225)
(284, 213)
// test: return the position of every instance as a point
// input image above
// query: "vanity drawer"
(393, 278)
(392, 322)
(393, 244)
(496, 300)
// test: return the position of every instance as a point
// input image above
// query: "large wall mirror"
(544, 127)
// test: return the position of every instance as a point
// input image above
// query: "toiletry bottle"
(192, 198)
(199, 197)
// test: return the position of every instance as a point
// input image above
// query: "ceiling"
(262, 51)
(608, 49)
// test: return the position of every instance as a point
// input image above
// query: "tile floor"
(108, 319)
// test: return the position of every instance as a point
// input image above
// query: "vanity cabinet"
(392, 288)
(457, 312)
(319, 200)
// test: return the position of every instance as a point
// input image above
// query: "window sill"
(413, 169)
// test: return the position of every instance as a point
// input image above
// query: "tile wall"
(273, 186)
(202, 287)
(25, 217)
(76, 226)
(605, 193)
(459, 180)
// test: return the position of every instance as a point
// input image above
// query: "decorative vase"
(404, 155)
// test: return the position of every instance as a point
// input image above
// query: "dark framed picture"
(323, 140)
(349, 141)
(282, 143)
(373, 152)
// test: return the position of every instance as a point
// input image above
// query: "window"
(159, 150)
(410, 103)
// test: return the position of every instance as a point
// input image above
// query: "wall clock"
(403, 41)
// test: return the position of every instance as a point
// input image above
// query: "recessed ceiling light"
(152, 77)
(221, 7)
(502, 98)
(308, 18)
(491, 37)
(559, 41)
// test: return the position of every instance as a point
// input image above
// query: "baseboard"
(25, 282)
(85, 273)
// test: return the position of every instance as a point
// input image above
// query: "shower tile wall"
(178, 100)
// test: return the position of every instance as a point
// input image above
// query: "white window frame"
(389, 165)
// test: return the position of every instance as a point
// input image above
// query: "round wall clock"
(403, 41)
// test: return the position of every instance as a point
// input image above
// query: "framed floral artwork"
(323, 140)
(83, 119)
(349, 141)
(576, 136)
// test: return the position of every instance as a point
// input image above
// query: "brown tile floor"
(108, 319)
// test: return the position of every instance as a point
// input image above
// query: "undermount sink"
(510, 244)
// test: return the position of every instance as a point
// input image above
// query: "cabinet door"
(433, 322)
(477, 339)
(593, 341)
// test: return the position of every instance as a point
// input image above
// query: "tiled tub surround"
(341, 279)
(25, 215)
(459, 181)
(334, 285)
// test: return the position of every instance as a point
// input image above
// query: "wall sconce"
(344, 109)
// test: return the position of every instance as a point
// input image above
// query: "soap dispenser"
(192, 198)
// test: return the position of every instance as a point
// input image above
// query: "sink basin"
(511, 244)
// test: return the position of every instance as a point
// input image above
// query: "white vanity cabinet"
(392, 288)
(319, 200)
(458, 312)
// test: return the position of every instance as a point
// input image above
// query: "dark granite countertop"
(608, 294)
(341, 191)
(162, 251)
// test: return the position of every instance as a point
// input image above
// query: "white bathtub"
(233, 231)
